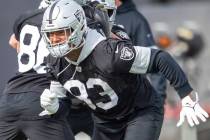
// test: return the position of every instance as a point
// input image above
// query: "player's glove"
(192, 110)
(49, 101)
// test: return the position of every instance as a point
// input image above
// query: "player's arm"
(14, 43)
(14, 38)
(161, 61)
(141, 60)
(54, 100)
(126, 58)
(148, 60)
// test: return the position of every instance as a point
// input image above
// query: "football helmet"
(67, 18)
(110, 7)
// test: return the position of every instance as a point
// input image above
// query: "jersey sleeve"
(57, 87)
(18, 23)
(17, 27)
(114, 56)
(21, 20)
(124, 57)
(149, 60)
(51, 67)
(64, 99)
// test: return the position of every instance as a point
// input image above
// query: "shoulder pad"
(22, 18)
(120, 32)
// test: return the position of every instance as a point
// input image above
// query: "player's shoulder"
(120, 32)
(29, 15)
(112, 54)
(109, 49)
(106, 46)
(110, 44)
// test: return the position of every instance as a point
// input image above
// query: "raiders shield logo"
(126, 54)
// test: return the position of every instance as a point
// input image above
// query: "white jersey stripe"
(142, 59)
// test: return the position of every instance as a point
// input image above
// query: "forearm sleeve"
(162, 62)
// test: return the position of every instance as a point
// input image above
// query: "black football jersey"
(108, 76)
(31, 75)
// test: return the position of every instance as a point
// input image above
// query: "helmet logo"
(78, 15)
(54, 11)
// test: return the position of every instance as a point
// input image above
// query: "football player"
(97, 19)
(105, 73)
(20, 101)
(99, 15)
(79, 112)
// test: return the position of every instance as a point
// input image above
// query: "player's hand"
(49, 101)
(192, 111)
(14, 43)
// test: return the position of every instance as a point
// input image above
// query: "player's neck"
(74, 54)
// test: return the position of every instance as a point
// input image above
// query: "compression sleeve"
(162, 62)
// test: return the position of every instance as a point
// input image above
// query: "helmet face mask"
(58, 41)
(58, 37)
(111, 13)
(64, 27)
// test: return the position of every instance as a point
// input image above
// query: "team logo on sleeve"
(126, 54)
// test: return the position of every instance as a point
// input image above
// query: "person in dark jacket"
(138, 29)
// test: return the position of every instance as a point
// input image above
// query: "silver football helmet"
(64, 17)
(111, 8)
